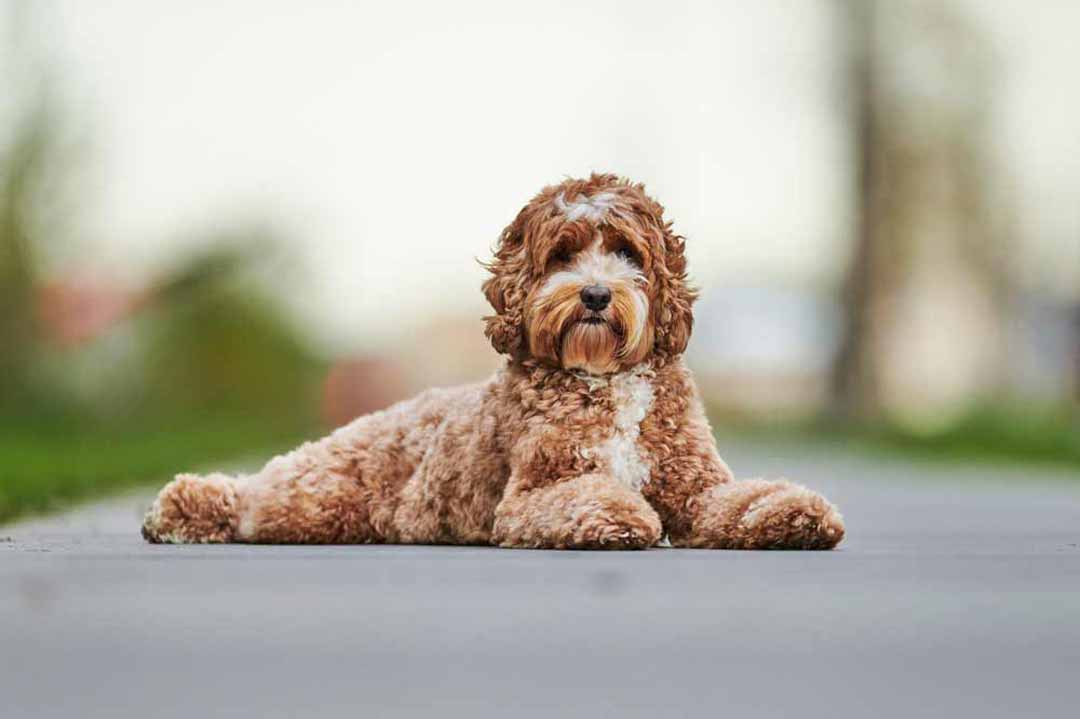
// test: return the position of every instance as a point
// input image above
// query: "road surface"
(957, 593)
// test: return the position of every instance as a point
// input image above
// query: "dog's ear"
(672, 310)
(505, 291)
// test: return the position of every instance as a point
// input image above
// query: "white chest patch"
(632, 393)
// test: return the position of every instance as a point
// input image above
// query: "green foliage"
(207, 369)
(994, 433)
(50, 465)
(23, 164)
(226, 349)
(991, 433)
(216, 374)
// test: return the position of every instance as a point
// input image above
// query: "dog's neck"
(545, 376)
(593, 381)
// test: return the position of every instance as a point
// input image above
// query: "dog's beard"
(563, 331)
(590, 346)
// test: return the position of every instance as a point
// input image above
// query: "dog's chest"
(621, 453)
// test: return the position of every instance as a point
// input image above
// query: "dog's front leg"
(589, 511)
(702, 505)
(762, 514)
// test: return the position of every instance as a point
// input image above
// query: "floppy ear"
(672, 313)
(505, 290)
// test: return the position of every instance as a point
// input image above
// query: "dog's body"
(592, 436)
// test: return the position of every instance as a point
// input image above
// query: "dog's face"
(589, 276)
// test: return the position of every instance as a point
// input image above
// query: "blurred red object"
(73, 312)
(358, 386)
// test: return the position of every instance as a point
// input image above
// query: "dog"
(592, 436)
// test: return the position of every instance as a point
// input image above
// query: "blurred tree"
(853, 384)
(103, 385)
(201, 338)
(18, 167)
(1076, 359)
(927, 291)
(215, 343)
(29, 162)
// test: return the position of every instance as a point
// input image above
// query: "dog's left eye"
(627, 254)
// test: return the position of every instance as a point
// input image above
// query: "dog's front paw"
(615, 528)
(588, 512)
(758, 514)
(604, 531)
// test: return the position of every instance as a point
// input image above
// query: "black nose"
(595, 297)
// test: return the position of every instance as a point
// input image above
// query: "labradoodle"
(592, 436)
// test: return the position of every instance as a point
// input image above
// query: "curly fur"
(591, 436)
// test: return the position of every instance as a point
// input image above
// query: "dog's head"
(589, 276)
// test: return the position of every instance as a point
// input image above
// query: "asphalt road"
(957, 593)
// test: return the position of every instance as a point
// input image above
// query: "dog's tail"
(194, 509)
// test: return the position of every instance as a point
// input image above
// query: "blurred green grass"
(992, 433)
(50, 467)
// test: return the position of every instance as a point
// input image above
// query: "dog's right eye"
(561, 256)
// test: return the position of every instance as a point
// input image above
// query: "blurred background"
(227, 227)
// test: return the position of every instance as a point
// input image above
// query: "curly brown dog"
(592, 435)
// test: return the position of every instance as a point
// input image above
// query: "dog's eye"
(561, 255)
(627, 254)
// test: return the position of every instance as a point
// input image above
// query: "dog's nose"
(595, 297)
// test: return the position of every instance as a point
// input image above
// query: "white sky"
(393, 141)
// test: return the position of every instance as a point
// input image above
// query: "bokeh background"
(227, 226)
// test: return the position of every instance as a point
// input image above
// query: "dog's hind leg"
(295, 499)
(301, 498)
